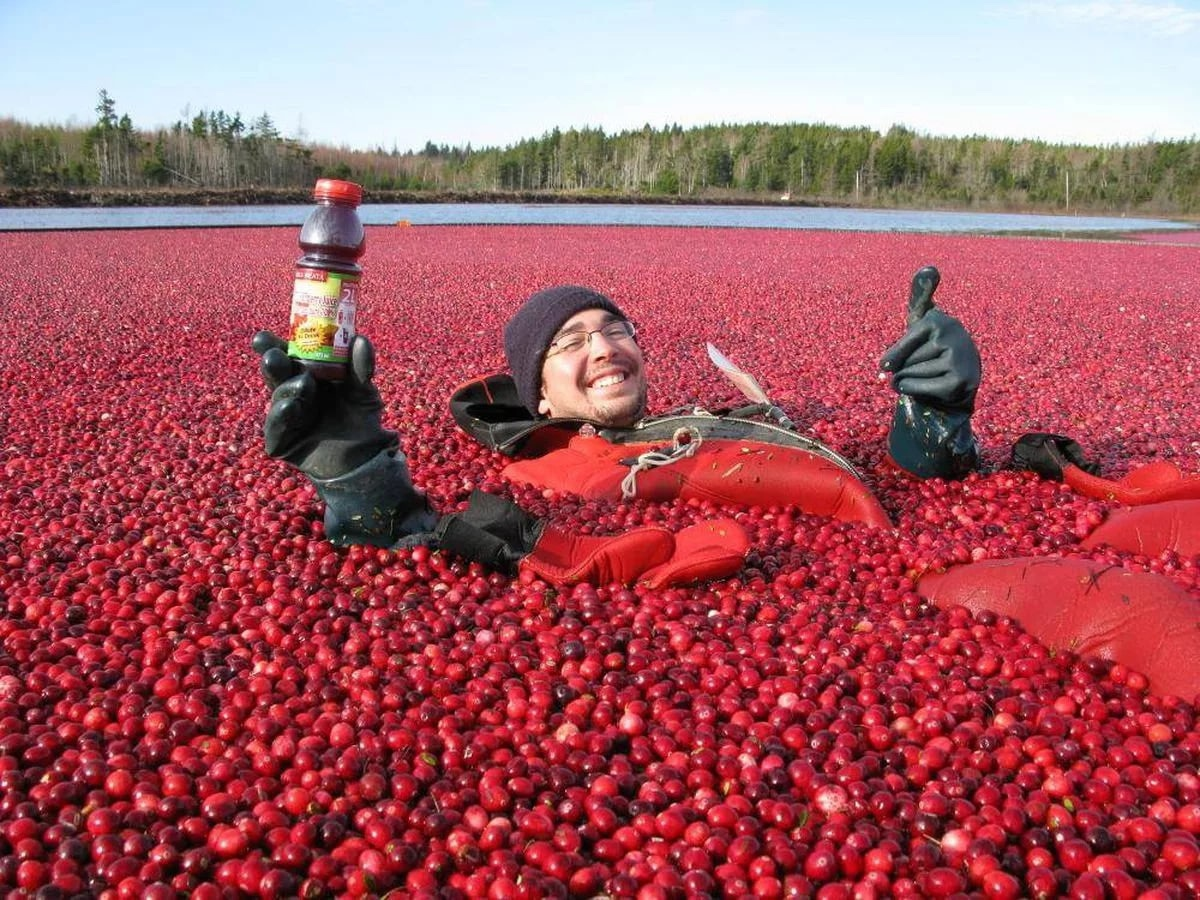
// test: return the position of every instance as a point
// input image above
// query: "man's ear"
(543, 406)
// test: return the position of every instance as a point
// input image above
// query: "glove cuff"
(965, 407)
(374, 504)
(932, 443)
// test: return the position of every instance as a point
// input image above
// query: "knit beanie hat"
(528, 333)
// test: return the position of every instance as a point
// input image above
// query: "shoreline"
(78, 198)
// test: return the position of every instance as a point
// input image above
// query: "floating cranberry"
(200, 695)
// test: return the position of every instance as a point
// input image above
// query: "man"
(573, 409)
(576, 364)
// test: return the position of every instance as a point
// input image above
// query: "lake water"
(574, 214)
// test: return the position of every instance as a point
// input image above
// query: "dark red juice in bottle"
(325, 290)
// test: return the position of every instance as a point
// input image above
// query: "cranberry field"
(200, 696)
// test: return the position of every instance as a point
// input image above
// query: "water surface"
(835, 219)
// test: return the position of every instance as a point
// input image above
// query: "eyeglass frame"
(629, 332)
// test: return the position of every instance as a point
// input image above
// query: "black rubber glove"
(492, 531)
(1049, 454)
(935, 368)
(332, 432)
(323, 428)
(936, 361)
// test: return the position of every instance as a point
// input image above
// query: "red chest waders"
(721, 470)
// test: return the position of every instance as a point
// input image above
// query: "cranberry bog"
(200, 696)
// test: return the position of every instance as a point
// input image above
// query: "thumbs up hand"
(935, 362)
(935, 369)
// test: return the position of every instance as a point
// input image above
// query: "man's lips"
(606, 380)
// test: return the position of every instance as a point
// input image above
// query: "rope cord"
(685, 443)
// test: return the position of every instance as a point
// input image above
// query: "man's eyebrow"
(608, 319)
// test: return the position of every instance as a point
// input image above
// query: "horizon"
(492, 74)
(415, 151)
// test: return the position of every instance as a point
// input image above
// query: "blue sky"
(371, 73)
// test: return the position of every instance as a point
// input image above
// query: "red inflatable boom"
(1144, 621)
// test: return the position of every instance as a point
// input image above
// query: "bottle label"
(322, 324)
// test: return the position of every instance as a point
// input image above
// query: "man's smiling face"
(601, 380)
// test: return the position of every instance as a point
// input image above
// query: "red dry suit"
(727, 459)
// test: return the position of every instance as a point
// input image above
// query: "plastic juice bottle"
(325, 292)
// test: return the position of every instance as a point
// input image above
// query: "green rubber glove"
(935, 368)
(323, 428)
(935, 362)
(332, 432)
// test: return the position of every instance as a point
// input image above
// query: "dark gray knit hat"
(528, 333)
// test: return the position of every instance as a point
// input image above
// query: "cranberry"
(200, 694)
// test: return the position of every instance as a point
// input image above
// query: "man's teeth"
(607, 381)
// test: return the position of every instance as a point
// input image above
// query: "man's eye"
(572, 341)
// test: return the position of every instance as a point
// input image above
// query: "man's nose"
(600, 347)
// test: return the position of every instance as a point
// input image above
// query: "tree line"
(814, 163)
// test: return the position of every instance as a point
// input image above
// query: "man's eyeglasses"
(617, 331)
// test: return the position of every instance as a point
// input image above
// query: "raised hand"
(935, 362)
(331, 431)
(323, 428)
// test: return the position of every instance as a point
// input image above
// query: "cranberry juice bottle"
(325, 292)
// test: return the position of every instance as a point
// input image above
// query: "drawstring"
(685, 443)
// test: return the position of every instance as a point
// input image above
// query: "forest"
(794, 162)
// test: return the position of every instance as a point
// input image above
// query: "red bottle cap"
(338, 191)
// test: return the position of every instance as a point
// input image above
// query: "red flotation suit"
(1164, 509)
(650, 555)
(1155, 482)
(745, 473)
(1149, 530)
(733, 459)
